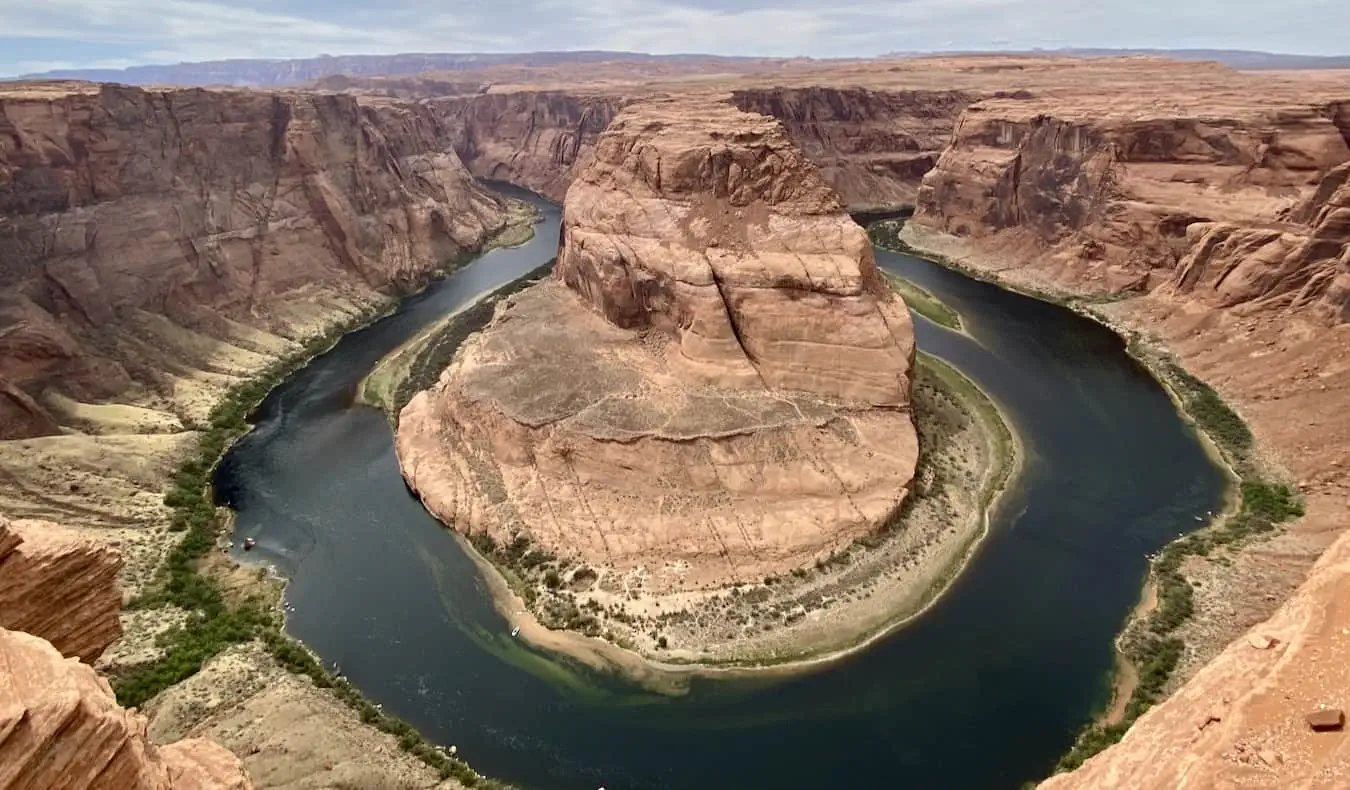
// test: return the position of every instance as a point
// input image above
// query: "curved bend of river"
(983, 691)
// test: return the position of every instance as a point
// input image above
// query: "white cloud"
(90, 32)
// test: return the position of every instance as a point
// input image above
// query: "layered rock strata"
(712, 388)
(873, 146)
(213, 209)
(1120, 196)
(534, 139)
(60, 726)
(59, 585)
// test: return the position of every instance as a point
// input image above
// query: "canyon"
(716, 337)
(158, 245)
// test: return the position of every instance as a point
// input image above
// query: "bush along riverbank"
(1259, 505)
(1149, 643)
(215, 620)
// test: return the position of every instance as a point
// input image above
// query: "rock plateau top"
(712, 388)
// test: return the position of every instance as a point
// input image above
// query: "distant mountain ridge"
(283, 71)
(1233, 58)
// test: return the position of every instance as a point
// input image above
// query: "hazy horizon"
(71, 34)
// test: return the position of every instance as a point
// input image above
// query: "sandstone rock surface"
(60, 726)
(712, 388)
(59, 585)
(1115, 195)
(213, 209)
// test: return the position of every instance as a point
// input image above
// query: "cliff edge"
(713, 388)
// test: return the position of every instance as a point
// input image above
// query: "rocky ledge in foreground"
(60, 586)
(60, 726)
(713, 388)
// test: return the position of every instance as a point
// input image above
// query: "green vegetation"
(923, 302)
(214, 623)
(295, 658)
(1149, 645)
(886, 235)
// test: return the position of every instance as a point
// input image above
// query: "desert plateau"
(595, 419)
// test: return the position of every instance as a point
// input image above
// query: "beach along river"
(983, 691)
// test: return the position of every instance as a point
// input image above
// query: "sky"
(37, 35)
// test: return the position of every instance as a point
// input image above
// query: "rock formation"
(712, 389)
(60, 726)
(1113, 194)
(534, 139)
(1303, 264)
(211, 208)
(59, 585)
(873, 146)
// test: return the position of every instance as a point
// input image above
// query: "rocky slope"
(717, 340)
(1302, 264)
(1221, 215)
(873, 146)
(534, 139)
(1113, 194)
(59, 585)
(140, 228)
(61, 727)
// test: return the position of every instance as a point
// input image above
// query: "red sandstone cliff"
(873, 146)
(724, 347)
(534, 139)
(60, 727)
(1111, 196)
(59, 585)
(206, 207)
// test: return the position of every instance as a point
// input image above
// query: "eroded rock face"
(1302, 266)
(60, 726)
(59, 585)
(713, 387)
(1113, 198)
(206, 207)
(534, 139)
(873, 146)
(707, 223)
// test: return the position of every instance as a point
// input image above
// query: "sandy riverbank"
(814, 616)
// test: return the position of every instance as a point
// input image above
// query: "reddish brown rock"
(719, 394)
(201, 206)
(873, 145)
(60, 726)
(1301, 265)
(1113, 193)
(708, 223)
(1326, 719)
(59, 585)
(534, 139)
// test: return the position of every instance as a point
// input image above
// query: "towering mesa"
(713, 388)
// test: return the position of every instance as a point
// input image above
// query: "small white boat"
(515, 631)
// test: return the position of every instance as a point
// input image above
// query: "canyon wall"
(1111, 196)
(533, 139)
(120, 207)
(873, 146)
(716, 339)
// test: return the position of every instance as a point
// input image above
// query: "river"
(984, 691)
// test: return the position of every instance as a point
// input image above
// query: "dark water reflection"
(983, 692)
